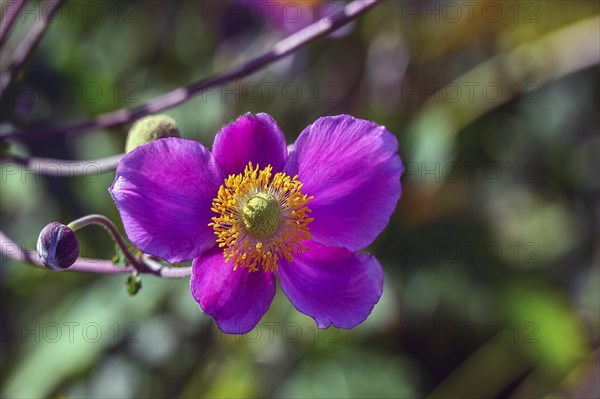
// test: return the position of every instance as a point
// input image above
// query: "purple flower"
(298, 213)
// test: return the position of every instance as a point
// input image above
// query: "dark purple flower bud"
(57, 246)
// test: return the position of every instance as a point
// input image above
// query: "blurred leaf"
(352, 373)
(545, 327)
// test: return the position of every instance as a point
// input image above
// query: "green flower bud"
(133, 284)
(58, 246)
(151, 128)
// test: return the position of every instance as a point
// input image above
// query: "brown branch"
(175, 97)
(26, 46)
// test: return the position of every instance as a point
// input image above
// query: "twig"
(62, 167)
(11, 250)
(108, 225)
(182, 94)
(26, 46)
(12, 13)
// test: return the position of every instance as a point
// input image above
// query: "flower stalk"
(144, 264)
(109, 226)
(9, 249)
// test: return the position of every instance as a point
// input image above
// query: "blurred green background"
(491, 259)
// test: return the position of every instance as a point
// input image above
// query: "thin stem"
(175, 97)
(166, 272)
(11, 250)
(13, 10)
(63, 167)
(109, 226)
(27, 44)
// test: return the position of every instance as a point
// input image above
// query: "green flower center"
(262, 215)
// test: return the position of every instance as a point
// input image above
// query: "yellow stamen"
(260, 219)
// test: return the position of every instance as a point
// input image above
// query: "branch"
(182, 94)
(26, 46)
(11, 250)
(62, 167)
(110, 227)
(12, 13)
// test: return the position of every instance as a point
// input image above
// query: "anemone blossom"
(255, 210)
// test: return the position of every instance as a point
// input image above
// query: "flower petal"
(332, 285)
(164, 191)
(352, 168)
(236, 299)
(251, 138)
